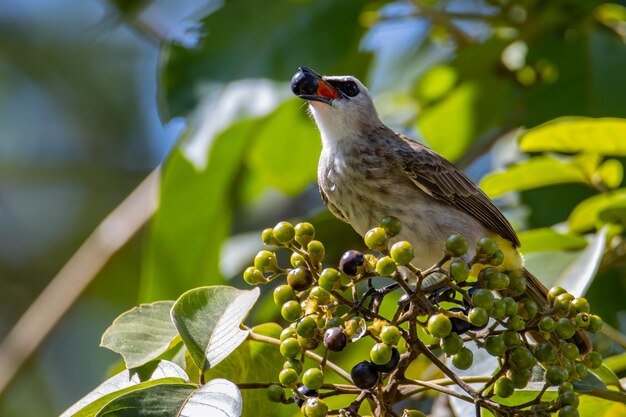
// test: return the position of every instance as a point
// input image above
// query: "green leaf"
(611, 173)
(266, 42)
(208, 320)
(253, 361)
(585, 215)
(122, 383)
(547, 239)
(614, 213)
(606, 375)
(141, 334)
(535, 172)
(616, 363)
(605, 136)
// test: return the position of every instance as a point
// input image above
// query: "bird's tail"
(539, 293)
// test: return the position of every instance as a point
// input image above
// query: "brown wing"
(333, 208)
(437, 177)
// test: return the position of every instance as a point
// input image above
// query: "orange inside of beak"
(326, 90)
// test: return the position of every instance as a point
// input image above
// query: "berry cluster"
(458, 303)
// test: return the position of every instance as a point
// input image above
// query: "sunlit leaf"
(616, 363)
(217, 398)
(141, 334)
(547, 239)
(611, 173)
(585, 215)
(532, 173)
(208, 320)
(606, 375)
(606, 136)
(437, 81)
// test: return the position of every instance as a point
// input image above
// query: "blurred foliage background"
(96, 94)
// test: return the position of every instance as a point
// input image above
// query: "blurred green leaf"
(547, 239)
(436, 83)
(141, 334)
(253, 361)
(606, 375)
(585, 215)
(616, 363)
(606, 136)
(208, 320)
(611, 173)
(535, 172)
(269, 40)
(614, 213)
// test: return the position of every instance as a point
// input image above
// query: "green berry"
(555, 292)
(306, 327)
(499, 309)
(487, 247)
(328, 278)
(568, 411)
(593, 360)
(478, 316)
(530, 309)
(385, 266)
(459, 270)
(376, 239)
(284, 232)
(503, 387)
(483, 298)
(595, 324)
(299, 278)
(511, 306)
(456, 245)
(556, 375)
(275, 393)
(570, 351)
(316, 251)
(511, 338)
(305, 232)
(294, 364)
(297, 260)
(288, 332)
(267, 236)
(413, 413)
(565, 387)
(545, 353)
(463, 360)
(580, 305)
(495, 345)
(439, 325)
(314, 407)
(308, 343)
(291, 311)
(546, 324)
(289, 348)
(391, 225)
(288, 377)
(562, 303)
(581, 370)
(451, 344)
(520, 377)
(253, 276)
(390, 335)
(265, 261)
(582, 320)
(517, 285)
(380, 353)
(321, 295)
(515, 322)
(497, 258)
(402, 252)
(490, 278)
(283, 293)
(521, 358)
(564, 328)
(313, 378)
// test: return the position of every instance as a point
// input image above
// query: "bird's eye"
(350, 88)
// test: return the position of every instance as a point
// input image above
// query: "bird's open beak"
(309, 85)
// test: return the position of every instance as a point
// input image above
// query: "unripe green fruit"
(593, 360)
(314, 407)
(486, 247)
(504, 387)
(515, 322)
(376, 239)
(581, 370)
(297, 260)
(439, 325)
(451, 344)
(288, 377)
(267, 236)
(321, 295)
(308, 343)
(380, 353)
(495, 345)
(328, 278)
(511, 306)
(511, 338)
(306, 327)
(463, 360)
(595, 324)
(478, 316)
(545, 353)
(565, 387)
(546, 324)
(402, 252)
(390, 335)
(253, 276)
(305, 232)
(275, 393)
(385, 266)
(582, 320)
(562, 303)
(483, 298)
(335, 322)
(497, 258)
(291, 311)
(316, 251)
(288, 332)
(580, 305)
(556, 375)
(489, 278)
(391, 225)
(521, 358)
(313, 378)
(283, 293)
(294, 364)
(289, 348)
(265, 261)
(529, 309)
(570, 351)
(456, 245)
(564, 328)
(517, 285)
(299, 278)
(519, 377)
(459, 270)
(568, 411)
(555, 292)
(499, 309)
(284, 232)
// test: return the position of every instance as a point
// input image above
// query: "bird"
(367, 171)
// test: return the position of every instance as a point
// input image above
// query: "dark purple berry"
(393, 362)
(364, 375)
(303, 390)
(441, 294)
(459, 326)
(335, 339)
(350, 261)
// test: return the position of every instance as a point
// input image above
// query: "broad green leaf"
(547, 239)
(585, 215)
(616, 363)
(611, 173)
(436, 83)
(606, 136)
(141, 334)
(614, 213)
(606, 375)
(122, 383)
(535, 172)
(267, 41)
(208, 320)
(217, 398)
(253, 361)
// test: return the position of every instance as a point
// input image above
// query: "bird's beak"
(309, 85)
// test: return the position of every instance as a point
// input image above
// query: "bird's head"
(341, 105)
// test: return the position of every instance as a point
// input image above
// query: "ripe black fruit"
(459, 326)
(335, 339)
(306, 392)
(393, 362)
(304, 83)
(364, 375)
(350, 261)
